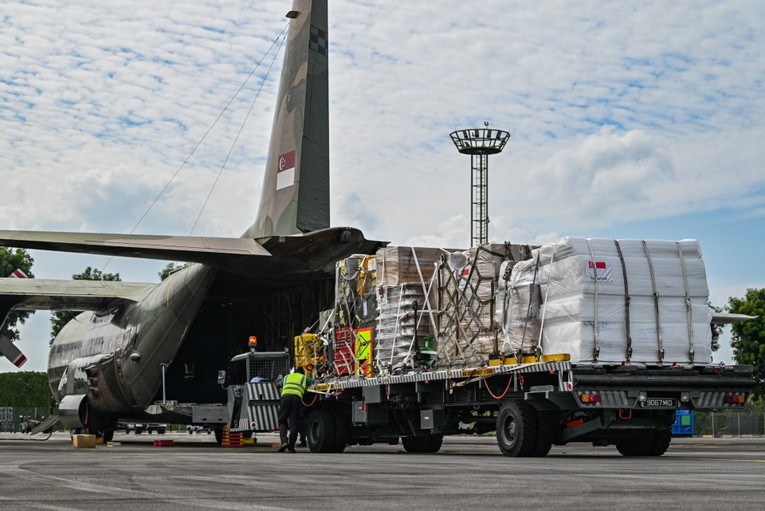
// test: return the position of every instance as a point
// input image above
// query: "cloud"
(619, 113)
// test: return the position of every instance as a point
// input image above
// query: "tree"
(24, 389)
(748, 338)
(716, 329)
(60, 318)
(12, 259)
(171, 268)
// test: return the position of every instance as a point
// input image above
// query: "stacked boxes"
(403, 325)
(406, 301)
(406, 265)
(597, 300)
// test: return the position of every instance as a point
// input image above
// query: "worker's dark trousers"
(290, 409)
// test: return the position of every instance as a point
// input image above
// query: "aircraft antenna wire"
(239, 133)
(214, 123)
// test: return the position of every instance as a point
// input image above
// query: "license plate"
(660, 402)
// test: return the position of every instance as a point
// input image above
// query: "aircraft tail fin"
(295, 195)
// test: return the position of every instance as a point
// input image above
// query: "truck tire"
(654, 444)
(427, 443)
(661, 443)
(545, 434)
(342, 430)
(635, 446)
(321, 430)
(517, 429)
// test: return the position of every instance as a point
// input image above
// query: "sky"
(628, 120)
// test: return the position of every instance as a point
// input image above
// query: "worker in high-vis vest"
(291, 407)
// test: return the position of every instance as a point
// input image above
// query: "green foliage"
(60, 318)
(170, 269)
(748, 338)
(24, 389)
(716, 329)
(10, 260)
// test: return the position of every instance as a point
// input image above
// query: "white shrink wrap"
(518, 305)
(403, 324)
(610, 301)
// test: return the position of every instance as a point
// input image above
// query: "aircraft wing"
(79, 295)
(193, 249)
(727, 318)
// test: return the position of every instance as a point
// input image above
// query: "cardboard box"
(398, 265)
(84, 441)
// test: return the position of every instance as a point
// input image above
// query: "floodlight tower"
(479, 144)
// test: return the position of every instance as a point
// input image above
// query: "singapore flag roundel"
(285, 174)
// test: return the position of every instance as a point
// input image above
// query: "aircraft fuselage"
(115, 357)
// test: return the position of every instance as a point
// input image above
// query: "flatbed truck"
(620, 384)
(531, 405)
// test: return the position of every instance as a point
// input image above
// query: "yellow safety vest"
(294, 383)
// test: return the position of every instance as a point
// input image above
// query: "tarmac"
(468, 472)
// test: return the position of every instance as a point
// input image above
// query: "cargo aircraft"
(134, 343)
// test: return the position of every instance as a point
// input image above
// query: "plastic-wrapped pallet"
(403, 324)
(610, 301)
(517, 306)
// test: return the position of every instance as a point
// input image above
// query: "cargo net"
(344, 361)
(467, 331)
(404, 328)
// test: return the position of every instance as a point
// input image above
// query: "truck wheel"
(516, 429)
(321, 430)
(218, 435)
(642, 446)
(661, 443)
(545, 434)
(342, 430)
(423, 443)
(434, 443)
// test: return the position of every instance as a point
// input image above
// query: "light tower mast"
(479, 144)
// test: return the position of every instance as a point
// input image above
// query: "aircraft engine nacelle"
(73, 411)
